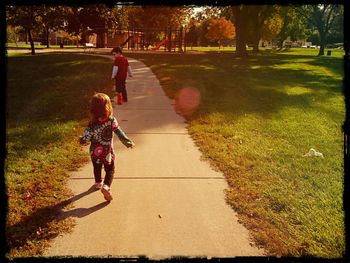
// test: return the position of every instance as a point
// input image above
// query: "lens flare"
(187, 100)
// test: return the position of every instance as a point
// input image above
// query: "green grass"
(47, 108)
(256, 119)
(42, 46)
(292, 51)
(337, 53)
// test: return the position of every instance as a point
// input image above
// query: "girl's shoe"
(106, 191)
(98, 185)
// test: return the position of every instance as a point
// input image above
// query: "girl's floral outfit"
(100, 134)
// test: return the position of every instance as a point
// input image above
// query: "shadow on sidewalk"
(38, 226)
(80, 212)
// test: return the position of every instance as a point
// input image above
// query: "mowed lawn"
(256, 119)
(47, 108)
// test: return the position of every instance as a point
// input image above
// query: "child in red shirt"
(120, 69)
(100, 132)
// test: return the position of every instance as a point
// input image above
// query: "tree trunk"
(241, 42)
(100, 39)
(241, 50)
(31, 42)
(47, 38)
(83, 39)
(321, 52)
(280, 43)
(322, 44)
(256, 45)
(256, 39)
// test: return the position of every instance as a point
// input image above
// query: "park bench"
(89, 46)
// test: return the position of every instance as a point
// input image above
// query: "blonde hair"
(100, 106)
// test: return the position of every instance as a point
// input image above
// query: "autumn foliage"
(272, 27)
(220, 29)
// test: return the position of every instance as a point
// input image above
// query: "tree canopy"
(220, 29)
(27, 17)
(322, 17)
(250, 23)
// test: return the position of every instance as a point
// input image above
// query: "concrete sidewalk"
(167, 202)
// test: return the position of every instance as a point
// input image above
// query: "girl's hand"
(130, 144)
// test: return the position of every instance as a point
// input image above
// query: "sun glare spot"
(187, 100)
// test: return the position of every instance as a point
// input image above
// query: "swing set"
(149, 39)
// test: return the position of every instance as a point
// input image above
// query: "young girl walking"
(100, 132)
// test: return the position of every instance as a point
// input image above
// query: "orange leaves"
(220, 29)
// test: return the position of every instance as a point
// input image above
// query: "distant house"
(288, 43)
(298, 43)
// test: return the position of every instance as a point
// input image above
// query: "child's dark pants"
(109, 169)
(120, 87)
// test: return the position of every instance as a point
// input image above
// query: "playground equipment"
(159, 44)
(142, 38)
(165, 43)
(126, 41)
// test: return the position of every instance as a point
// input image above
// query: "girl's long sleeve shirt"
(100, 134)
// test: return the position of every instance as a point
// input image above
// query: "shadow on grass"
(50, 91)
(47, 95)
(259, 84)
(35, 227)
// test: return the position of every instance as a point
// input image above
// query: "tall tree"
(209, 12)
(95, 17)
(98, 18)
(193, 33)
(203, 19)
(157, 20)
(336, 32)
(321, 17)
(51, 18)
(240, 16)
(14, 32)
(220, 29)
(250, 22)
(73, 24)
(157, 16)
(294, 25)
(258, 17)
(27, 17)
(119, 17)
(271, 27)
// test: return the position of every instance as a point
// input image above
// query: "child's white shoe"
(106, 191)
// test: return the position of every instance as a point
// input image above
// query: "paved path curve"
(167, 201)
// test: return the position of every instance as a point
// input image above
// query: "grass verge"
(47, 106)
(41, 46)
(256, 119)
